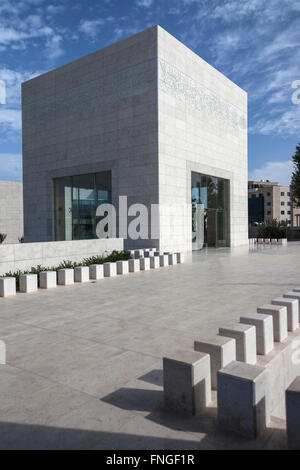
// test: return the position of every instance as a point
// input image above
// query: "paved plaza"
(84, 363)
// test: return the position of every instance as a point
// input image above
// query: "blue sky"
(256, 43)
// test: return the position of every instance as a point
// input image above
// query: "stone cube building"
(11, 211)
(144, 118)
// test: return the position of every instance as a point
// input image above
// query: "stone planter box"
(65, 277)
(110, 269)
(82, 274)
(48, 280)
(172, 259)
(134, 265)
(180, 258)
(154, 262)
(28, 283)
(164, 260)
(96, 271)
(122, 267)
(144, 264)
(7, 286)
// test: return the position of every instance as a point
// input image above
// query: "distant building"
(268, 200)
(11, 210)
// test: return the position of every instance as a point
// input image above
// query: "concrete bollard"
(134, 265)
(294, 295)
(187, 386)
(110, 269)
(7, 286)
(279, 314)
(243, 399)
(65, 277)
(96, 271)
(28, 283)
(144, 264)
(82, 274)
(154, 262)
(245, 336)
(180, 258)
(172, 259)
(292, 306)
(222, 351)
(164, 260)
(264, 331)
(48, 280)
(282, 241)
(292, 400)
(122, 267)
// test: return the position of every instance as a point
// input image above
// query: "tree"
(295, 181)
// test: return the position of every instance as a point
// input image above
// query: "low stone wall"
(23, 256)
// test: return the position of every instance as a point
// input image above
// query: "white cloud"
(10, 119)
(11, 166)
(91, 27)
(144, 3)
(274, 171)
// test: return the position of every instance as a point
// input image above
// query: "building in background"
(11, 210)
(268, 201)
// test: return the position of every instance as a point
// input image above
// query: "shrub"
(2, 237)
(271, 230)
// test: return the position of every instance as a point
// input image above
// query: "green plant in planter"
(271, 230)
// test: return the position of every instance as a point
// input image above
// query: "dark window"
(282, 212)
(281, 194)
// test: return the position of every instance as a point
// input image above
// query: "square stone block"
(294, 295)
(122, 267)
(96, 271)
(82, 274)
(274, 241)
(154, 262)
(292, 306)
(48, 280)
(7, 286)
(164, 260)
(222, 351)
(172, 259)
(282, 241)
(144, 264)
(292, 400)
(264, 331)
(28, 283)
(279, 314)
(180, 258)
(243, 399)
(260, 241)
(110, 269)
(65, 277)
(187, 386)
(245, 336)
(134, 265)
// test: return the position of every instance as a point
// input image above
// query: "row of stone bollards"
(253, 367)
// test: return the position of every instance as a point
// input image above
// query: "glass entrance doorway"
(210, 211)
(76, 202)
